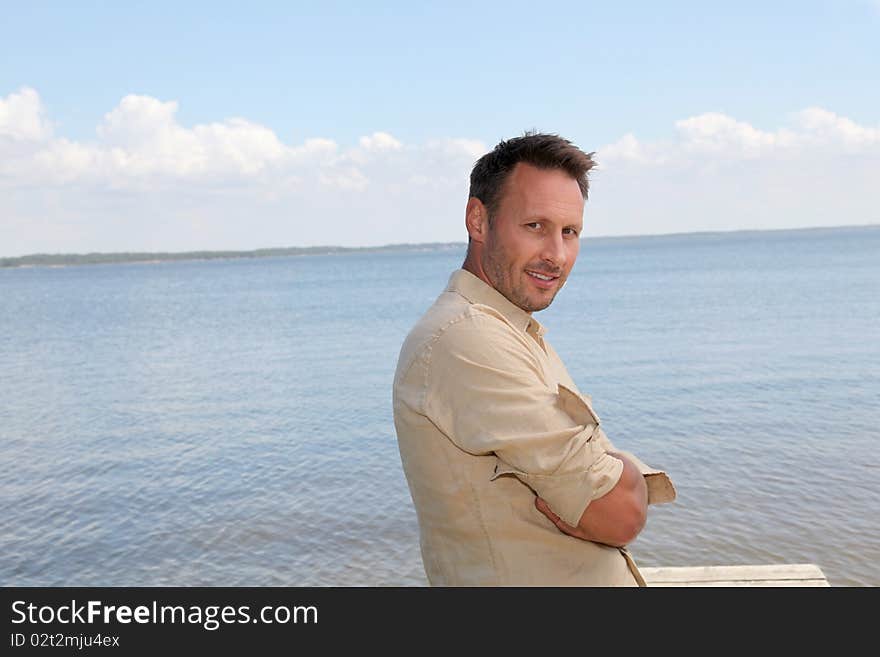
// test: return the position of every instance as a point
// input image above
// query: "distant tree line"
(59, 259)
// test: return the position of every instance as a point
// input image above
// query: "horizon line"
(402, 245)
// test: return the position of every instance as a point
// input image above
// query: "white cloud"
(470, 149)
(628, 148)
(720, 173)
(60, 161)
(147, 182)
(718, 137)
(316, 149)
(722, 135)
(829, 128)
(142, 137)
(22, 117)
(350, 179)
(380, 141)
(140, 143)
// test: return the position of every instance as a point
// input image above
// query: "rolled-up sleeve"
(487, 392)
(661, 490)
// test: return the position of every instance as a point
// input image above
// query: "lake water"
(228, 423)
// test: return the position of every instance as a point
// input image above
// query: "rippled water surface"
(229, 422)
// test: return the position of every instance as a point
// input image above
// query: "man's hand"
(563, 526)
(614, 519)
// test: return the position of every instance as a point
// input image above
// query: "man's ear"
(476, 219)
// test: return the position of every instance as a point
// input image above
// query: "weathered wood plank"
(745, 583)
(748, 575)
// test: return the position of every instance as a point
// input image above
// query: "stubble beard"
(503, 276)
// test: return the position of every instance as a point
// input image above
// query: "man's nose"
(554, 251)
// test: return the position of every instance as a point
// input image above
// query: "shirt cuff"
(569, 494)
(660, 487)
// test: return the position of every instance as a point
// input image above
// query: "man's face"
(534, 237)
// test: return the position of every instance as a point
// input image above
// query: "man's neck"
(472, 264)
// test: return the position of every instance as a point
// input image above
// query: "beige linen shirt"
(486, 418)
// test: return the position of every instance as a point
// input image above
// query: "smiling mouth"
(543, 280)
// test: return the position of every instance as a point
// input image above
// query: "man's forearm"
(614, 519)
(617, 517)
(636, 481)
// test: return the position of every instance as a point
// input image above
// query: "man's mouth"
(542, 280)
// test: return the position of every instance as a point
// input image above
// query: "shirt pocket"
(577, 406)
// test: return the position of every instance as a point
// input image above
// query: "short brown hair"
(544, 151)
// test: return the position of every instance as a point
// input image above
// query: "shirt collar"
(476, 290)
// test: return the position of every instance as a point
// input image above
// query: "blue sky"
(428, 78)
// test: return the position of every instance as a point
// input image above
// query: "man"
(513, 480)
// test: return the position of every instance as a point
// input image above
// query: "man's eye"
(534, 224)
(571, 231)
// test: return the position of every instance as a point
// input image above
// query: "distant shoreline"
(73, 259)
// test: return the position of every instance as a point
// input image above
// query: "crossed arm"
(617, 517)
(488, 391)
